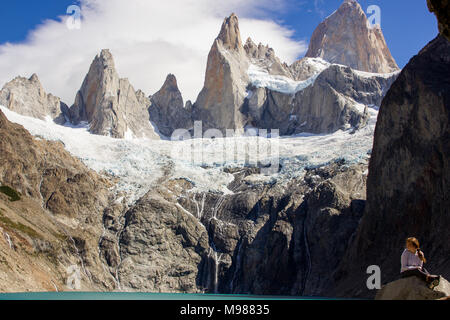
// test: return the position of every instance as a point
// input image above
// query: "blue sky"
(407, 25)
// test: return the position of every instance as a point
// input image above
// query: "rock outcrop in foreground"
(409, 174)
(347, 38)
(441, 8)
(413, 288)
(55, 223)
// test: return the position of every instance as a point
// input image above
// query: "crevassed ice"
(140, 163)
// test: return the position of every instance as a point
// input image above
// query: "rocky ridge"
(53, 225)
(246, 85)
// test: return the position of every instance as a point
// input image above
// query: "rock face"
(409, 170)
(260, 239)
(167, 110)
(306, 68)
(339, 98)
(54, 226)
(161, 247)
(281, 250)
(218, 104)
(441, 8)
(109, 104)
(413, 288)
(264, 56)
(27, 97)
(347, 38)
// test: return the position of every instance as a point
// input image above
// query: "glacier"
(140, 164)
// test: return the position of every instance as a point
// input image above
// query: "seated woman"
(412, 264)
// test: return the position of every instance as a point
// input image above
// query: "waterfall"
(200, 208)
(217, 207)
(8, 239)
(308, 254)
(217, 258)
(238, 265)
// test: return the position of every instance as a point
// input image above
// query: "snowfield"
(260, 78)
(140, 163)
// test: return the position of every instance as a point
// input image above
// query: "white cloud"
(148, 39)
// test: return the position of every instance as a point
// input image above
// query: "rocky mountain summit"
(28, 97)
(347, 38)
(167, 110)
(248, 86)
(264, 57)
(218, 104)
(109, 104)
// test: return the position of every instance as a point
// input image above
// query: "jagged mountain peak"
(230, 34)
(350, 8)
(110, 104)
(34, 78)
(347, 38)
(28, 97)
(167, 109)
(250, 41)
(170, 83)
(105, 58)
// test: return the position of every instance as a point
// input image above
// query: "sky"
(150, 38)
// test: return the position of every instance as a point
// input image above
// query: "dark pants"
(420, 273)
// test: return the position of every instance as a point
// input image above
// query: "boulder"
(413, 288)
